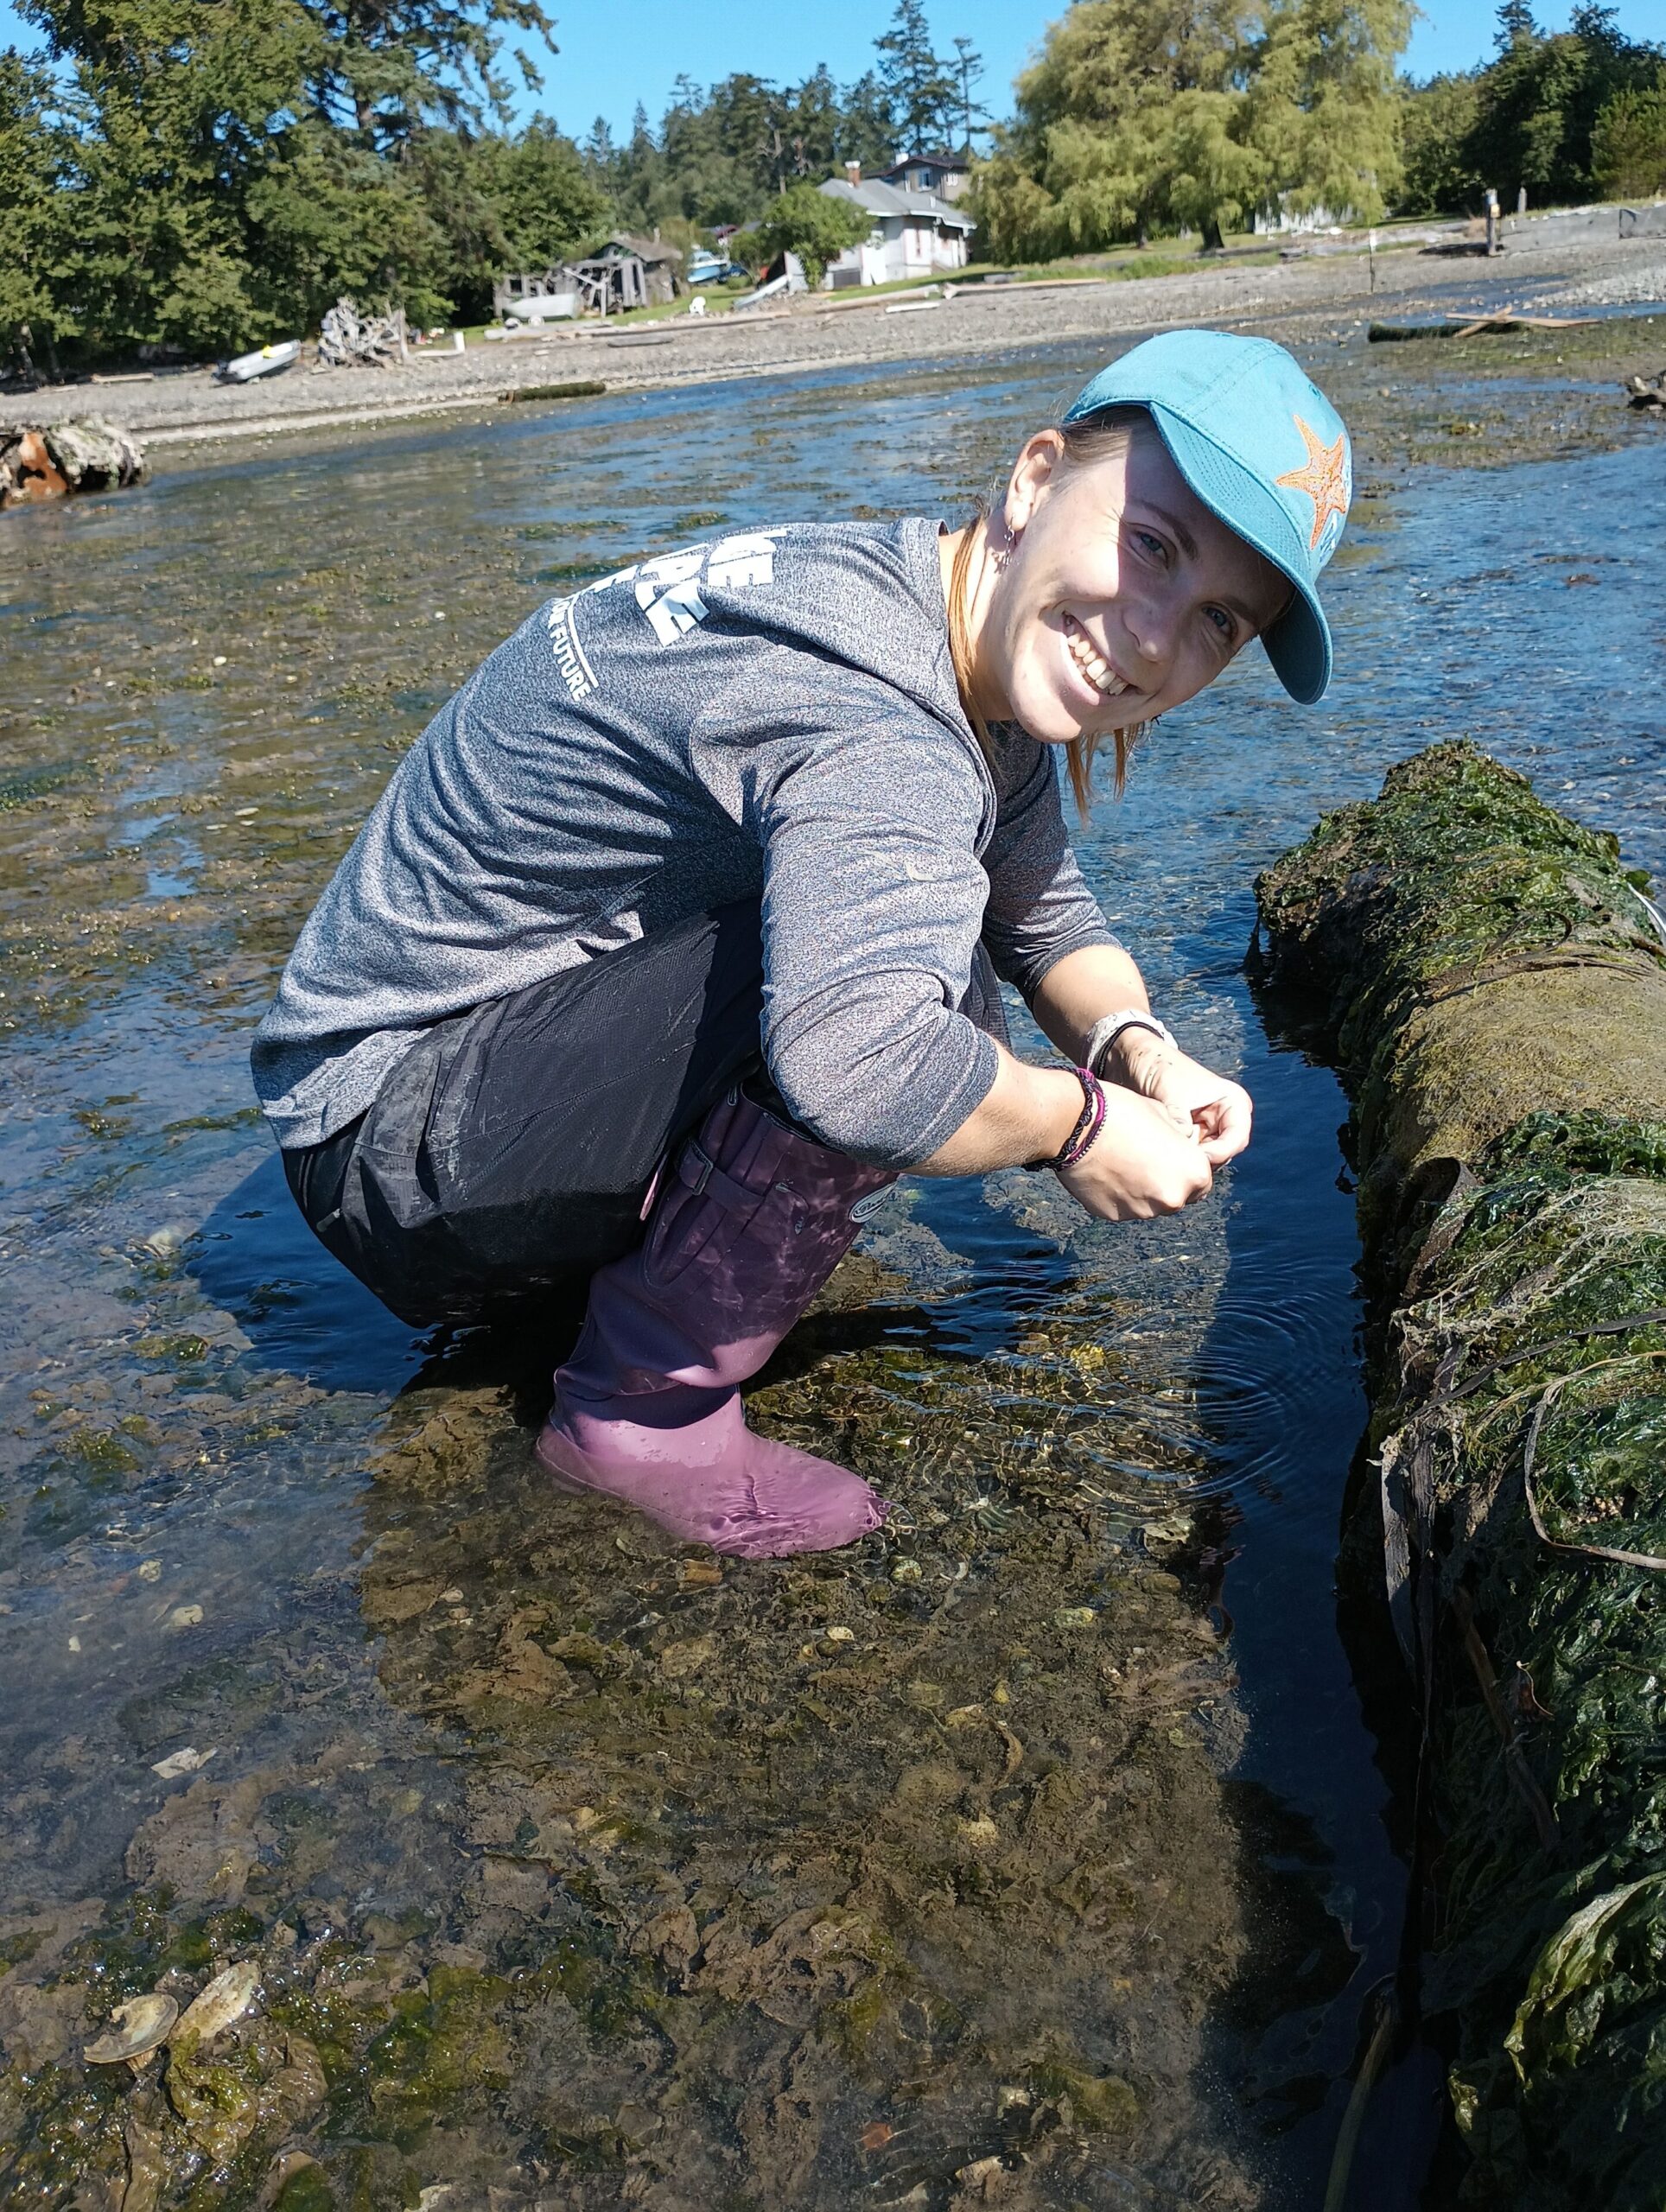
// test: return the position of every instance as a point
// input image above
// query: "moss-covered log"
(1492, 986)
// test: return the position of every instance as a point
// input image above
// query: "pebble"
(185, 1617)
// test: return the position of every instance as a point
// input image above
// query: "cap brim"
(1299, 642)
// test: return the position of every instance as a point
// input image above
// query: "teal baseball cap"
(1264, 449)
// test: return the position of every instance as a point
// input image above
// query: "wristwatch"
(1105, 1032)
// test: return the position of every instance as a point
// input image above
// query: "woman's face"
(1123, 594)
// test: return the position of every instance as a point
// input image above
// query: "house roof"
(879, 198)
(648, 250)
(937, 161)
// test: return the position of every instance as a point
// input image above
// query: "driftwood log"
(48, 461)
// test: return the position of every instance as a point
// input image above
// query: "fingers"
(1223, 1125)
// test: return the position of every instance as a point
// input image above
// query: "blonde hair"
(1095, 437)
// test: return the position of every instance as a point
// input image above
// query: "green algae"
(1521, 1302)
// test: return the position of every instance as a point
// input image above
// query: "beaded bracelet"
(1089, 1122)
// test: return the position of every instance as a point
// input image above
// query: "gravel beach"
(1562, 263)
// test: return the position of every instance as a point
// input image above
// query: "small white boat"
(266, 363)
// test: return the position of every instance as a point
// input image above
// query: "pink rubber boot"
(746, 1229)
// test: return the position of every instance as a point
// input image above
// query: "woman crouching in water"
(674, 940)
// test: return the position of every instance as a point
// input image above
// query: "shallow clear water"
(207, 682)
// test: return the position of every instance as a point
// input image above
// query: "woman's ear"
(1032, 474)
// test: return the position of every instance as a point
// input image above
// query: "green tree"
(1628, 146)
(386, 67)
(868, 128)
(1324, 108)
(32, 156)
(817, 225)
(1537, 105)
(967, 69)
(1436, 122)
(536, 185)
(920, 85)
(1144, 116)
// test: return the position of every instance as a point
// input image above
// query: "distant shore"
(1561, 263)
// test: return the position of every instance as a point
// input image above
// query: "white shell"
(226, 1999)
(134, 2030)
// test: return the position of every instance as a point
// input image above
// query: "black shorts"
(509, 1154)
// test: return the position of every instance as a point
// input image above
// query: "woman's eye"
(1224, 625)
(1149, 542)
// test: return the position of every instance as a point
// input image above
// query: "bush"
(815, 225)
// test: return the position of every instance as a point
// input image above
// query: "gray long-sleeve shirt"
(773, 715)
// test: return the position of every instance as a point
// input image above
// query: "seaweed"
(1493, 987)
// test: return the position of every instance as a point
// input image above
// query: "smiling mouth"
(1091, 662)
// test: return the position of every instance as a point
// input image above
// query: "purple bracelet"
(1089, 1123)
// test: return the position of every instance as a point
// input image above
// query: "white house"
(915, 234)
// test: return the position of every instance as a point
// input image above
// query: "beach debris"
(349, 340)
(48, 461)
(580, 388)
(150, 1570)
(134, 2030)
(1646, 394)
(1476, 325)
(219, 2005)
(186, 1617)
(188, 1761)
(1075, 1617)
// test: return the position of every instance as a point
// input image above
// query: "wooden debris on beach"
(1476, 325)
(348, 340)
(1646, 394)
(48, 461)
(583, 388)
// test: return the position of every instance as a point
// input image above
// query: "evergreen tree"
(32, 157)
(1538, 104)
(388, 66)
(1515, 26)
(1628, 146)
(1435, 121)
(868, 127)
(921, 90)
(970, 114)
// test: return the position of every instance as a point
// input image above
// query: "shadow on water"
(301, 1312)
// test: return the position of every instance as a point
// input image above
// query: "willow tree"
(1143, 116)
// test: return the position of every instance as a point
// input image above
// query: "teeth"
(1098, 671)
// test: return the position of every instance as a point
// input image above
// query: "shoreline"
(1551, 262)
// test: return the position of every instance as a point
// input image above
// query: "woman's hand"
(1142, 1163)
(1215, 1112)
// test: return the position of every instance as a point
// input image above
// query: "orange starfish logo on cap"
(1323, 477)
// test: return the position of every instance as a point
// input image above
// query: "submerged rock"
(46, 461)
(1492, 984)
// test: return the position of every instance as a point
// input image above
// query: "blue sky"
(616, 52)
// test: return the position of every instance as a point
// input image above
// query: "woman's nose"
(1150, 624)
